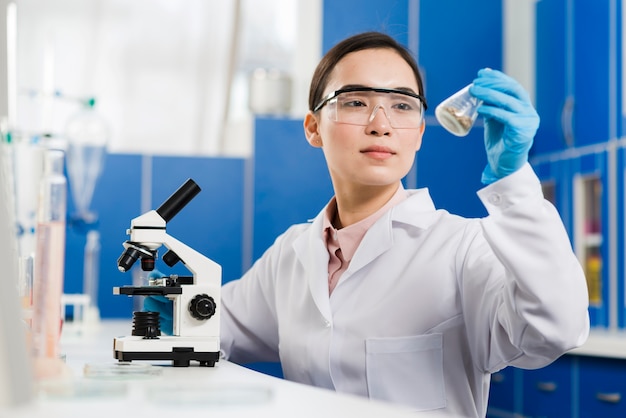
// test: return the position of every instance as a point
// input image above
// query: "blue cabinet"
(554, 82)
(548, 391)
(583, 195)
(545, 392)
(595, 70)
(576, 386)
(578, 63)
(502, 392)
(602, 387)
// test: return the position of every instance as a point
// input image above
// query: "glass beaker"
(458, 112)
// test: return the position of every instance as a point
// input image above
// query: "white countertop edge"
(603, 343)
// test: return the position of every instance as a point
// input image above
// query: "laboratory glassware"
(91, 271)
(16, 388)
(87, 136)
(27, 168)
(49, 264)
(458, 112)
(27, 161)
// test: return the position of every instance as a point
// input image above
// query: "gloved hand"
(162, 305)
(511, 122)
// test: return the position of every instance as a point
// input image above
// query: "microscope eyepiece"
(178, 200)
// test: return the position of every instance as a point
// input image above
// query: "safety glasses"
(359, 105)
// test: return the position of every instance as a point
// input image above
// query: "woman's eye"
(403, 106)
(354, 103)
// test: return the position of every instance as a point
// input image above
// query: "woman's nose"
(379, 123)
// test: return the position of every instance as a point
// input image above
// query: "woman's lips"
(380, 153)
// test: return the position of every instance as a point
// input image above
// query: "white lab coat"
(429, 307)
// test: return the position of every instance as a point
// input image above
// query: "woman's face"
(372, 155)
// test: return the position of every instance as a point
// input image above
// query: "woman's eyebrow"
(352, 86)
(407, 89)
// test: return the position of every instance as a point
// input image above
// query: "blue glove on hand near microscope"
(162, 305)
(511, 122)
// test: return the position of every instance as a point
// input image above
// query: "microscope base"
(180, 350)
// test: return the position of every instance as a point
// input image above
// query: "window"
(170, 77)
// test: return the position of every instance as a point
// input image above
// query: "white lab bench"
(226, 390)
(604, 343)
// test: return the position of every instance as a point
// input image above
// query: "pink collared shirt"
(342, 243)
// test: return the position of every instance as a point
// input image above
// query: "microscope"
(196, 298)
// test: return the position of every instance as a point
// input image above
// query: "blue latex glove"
(511, 122)
(162, 305)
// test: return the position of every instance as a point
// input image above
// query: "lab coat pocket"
(407, 370)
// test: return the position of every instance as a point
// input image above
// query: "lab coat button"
(495, 199)
(327, 323)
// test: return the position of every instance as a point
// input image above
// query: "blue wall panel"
(451, 168)
(553, 81)
(116, 201)
(349, 17)
(456, 39)
(291, 182)
(591, 66)
(212, 222)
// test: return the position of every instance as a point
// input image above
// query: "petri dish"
(122, 370)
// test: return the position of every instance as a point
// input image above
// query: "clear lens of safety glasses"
(359, 107)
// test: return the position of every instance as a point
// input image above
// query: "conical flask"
(458, 112)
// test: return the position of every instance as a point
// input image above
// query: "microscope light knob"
(202, 307)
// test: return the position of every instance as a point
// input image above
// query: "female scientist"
(385, 296)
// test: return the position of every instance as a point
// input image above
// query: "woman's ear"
(422, 128)
(311, 130)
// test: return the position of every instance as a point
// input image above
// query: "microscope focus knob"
(202, 307)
